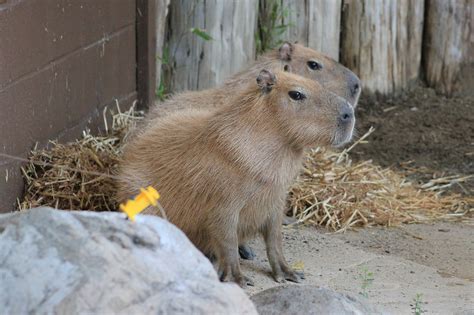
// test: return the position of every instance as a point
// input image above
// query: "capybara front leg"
(272, 234)
(226, 243)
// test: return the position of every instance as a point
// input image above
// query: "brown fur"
(333, 76)
(223, 174)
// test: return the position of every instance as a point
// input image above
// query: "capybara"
(291, 57)
(295, 58)
(224, 174)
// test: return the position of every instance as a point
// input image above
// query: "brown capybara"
(223, 174)
(292, 57)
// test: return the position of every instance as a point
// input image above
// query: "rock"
(76, 262)
(308, 299)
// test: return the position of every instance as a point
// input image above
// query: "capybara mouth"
(343, 135)
(355, 102)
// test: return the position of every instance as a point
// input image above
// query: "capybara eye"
(297, 96)
(314, 65)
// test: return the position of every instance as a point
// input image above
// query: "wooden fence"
(388, 43)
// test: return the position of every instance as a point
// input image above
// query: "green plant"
(367, 277)
(161, 90)
(417, 306)
(201, 33)
(271, 26)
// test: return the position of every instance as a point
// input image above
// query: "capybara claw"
(293, 277)
(288, 276)
(244, 281)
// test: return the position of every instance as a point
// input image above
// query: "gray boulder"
(77, 262)
(306, 300)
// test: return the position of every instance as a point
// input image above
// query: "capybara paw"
(289, 275)
(244, 281)
(289, 220)
(240, 279)
(300, 274)
(246, 252)
(292, 276)
(279, 277)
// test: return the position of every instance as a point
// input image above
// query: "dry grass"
(332, 191)
(78, 175)
(336, 193)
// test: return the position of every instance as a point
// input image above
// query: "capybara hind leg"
(273, 240)
(246, 252)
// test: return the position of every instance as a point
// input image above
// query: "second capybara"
(291, 57)
(224, 174)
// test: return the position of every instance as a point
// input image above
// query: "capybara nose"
(346, 116)
(355, 88)
(353, 85)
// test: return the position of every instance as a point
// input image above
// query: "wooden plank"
(381, 41)
(325, 26)
(449, 46)
(314, 23)
(146, 52)
(161, 14)
(297, 21)
(200, 64)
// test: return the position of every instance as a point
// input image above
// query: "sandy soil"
(433, 260)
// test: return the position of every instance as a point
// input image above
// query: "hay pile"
(335, 193)
(79, 175)
(331, 191)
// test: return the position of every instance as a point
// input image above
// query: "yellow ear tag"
(147, 197)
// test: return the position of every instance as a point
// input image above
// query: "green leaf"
(201, 33)
(282, 26)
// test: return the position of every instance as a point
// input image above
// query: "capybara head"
(306, 112)
(329, 73)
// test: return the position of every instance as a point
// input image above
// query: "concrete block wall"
(61, 63)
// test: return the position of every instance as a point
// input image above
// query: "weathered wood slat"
(297, 20)
(314, 23)
(146, 45)
(161, 13)
(325, 26)
(200, 64)
(381, 42)
(449, 45)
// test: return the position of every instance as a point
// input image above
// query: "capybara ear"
(286, 50)
(265, 80)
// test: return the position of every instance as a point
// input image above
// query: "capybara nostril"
(355, 89)
(346, 116)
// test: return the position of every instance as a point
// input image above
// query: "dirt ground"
(447, 247)
(420, 130)
(432, 260)
(425, 136)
